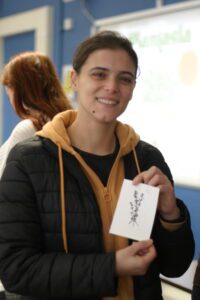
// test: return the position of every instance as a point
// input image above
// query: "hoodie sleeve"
(175, 247)
(26, 267)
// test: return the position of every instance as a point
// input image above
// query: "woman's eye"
(128, 80)
(99, 75)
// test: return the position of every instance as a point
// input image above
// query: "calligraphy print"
(135, 211)
(135, 204)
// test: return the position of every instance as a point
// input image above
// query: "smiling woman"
(82, 158)
(108, 78)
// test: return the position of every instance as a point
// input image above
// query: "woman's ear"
(73, 76)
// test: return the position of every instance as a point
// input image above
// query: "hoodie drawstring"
(136, 161)
(62, 197)
(62, 192)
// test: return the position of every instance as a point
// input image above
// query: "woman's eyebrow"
(107, 69)
(99, 68)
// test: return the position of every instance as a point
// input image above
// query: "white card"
(135, 211)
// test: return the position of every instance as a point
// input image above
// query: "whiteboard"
(165, 106)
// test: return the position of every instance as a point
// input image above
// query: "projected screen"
(165, 105)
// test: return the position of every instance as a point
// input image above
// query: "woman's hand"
(135, 259)
(167, 206)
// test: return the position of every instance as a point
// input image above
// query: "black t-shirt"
(100, 164)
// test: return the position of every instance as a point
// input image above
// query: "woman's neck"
(98, 139)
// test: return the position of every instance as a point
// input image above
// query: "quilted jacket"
(33, 262)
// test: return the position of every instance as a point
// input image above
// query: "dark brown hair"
(103, 40)
(35, 84)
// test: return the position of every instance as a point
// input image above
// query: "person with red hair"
(35, 93)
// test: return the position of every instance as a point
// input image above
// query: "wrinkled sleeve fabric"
(175, 248)
(23, 130)
(26, 268)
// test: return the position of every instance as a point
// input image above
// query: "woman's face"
(105, 84)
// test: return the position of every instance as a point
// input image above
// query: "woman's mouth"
(106, 101)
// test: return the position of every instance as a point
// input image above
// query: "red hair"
(35, 83)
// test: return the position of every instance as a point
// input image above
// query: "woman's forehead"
(109, 58)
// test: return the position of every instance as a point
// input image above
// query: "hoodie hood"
(55, 130)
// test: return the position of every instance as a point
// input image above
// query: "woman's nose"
(112, 85)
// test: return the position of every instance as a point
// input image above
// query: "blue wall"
(12, 45)
(65, 43)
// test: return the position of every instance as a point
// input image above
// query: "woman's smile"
(107, 101)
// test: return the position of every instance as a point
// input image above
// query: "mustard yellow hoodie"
(107, 197)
